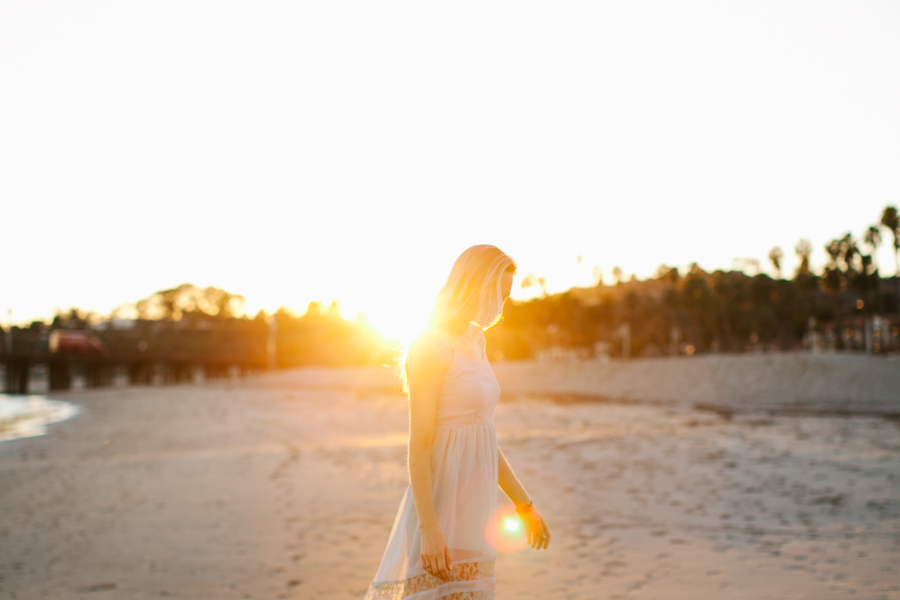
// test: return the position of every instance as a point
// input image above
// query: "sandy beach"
(762, 476)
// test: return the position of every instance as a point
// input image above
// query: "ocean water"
(29, 416)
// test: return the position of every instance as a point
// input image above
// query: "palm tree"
(775, 256)
(833, 275)
(872, 239)
(803, 251)
(890, 220)
(840, 274)
(804, 278)
(618, 275)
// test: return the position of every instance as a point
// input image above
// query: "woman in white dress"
(443, 543)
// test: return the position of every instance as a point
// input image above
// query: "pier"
(39, 360)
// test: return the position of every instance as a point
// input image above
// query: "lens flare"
(511, 525)
(505, 530)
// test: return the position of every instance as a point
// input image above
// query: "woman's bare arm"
(429, 359)
(538, 534)
(510, 484)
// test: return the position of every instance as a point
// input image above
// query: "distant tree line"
(187, 323)
(671, 312)
(725, 311)
(320, 336)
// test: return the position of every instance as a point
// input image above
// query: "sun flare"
(505, 530)
(512, 525)
(396, 321)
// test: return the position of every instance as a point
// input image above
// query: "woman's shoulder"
(431, 340)
(432, 346)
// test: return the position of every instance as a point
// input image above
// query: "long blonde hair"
(472, 296)
(473, 291)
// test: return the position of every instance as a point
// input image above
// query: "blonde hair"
(471, 297)
(473, 292)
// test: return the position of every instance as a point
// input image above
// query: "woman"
(443, 543)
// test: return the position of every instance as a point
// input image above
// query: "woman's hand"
(436, 555)
(538, 534)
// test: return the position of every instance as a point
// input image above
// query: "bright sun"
(396, 322)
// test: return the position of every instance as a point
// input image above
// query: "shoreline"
(29, 415)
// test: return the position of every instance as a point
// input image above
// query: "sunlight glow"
(397, 324)
(512, 525)
(289, 156)
(505, 531)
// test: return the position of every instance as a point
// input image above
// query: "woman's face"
(506, 283)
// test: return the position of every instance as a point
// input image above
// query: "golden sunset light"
(280, 154)
(394, 300)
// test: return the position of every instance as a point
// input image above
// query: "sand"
(286, 486)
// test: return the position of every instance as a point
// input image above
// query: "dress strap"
(473, 334)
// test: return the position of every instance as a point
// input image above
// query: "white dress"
(464, 468)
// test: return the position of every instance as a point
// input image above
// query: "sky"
(299, 151)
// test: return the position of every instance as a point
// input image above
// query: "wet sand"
(287, 486)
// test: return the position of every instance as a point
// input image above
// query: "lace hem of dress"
(471, 581)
